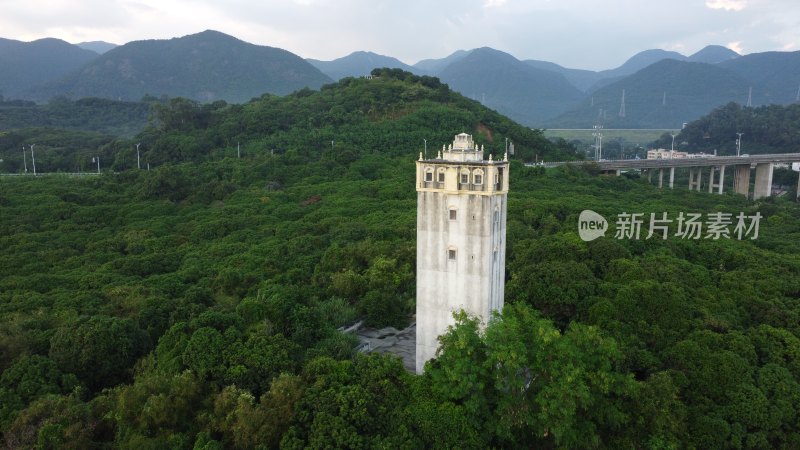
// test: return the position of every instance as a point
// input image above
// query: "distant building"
(661, 153)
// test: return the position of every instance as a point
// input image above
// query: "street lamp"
(25, 159)
(33, 159)
(138, 165)
(426, 147)
(97, 160)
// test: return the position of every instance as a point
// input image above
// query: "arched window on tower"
(428, 174)
(477, 176)
(464, 179)
(440, 175)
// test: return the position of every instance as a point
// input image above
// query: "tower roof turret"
(463, 149)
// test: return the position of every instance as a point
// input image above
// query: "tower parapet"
(461, 168)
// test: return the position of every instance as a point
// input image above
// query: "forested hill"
(392, 114)
(111, 117)
(765, 129)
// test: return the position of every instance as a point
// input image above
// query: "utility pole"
(600, 147)
(598, 142)
(97, 159)
(738, 143)
(672, 149)
(425, 141)
(138, 165)
(238, 152)
(33, 159)
(25, 159)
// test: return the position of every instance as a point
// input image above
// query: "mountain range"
(26, 64)
(207, 66)
(661, 89)
(98, 47)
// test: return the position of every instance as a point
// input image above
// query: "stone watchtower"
(461, 239)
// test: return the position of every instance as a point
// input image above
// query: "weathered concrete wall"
(474, 279)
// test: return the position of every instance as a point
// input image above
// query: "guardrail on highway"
(682, 162)
(45, 174)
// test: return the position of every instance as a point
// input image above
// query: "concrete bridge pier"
(671, 177)
(719, 184)
(660, 178)
(763, 186)
(741, 179)
(798, 187)
(695, 178)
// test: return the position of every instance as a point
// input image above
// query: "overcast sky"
(586, 34)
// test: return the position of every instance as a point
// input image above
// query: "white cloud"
(494, 3)
(727, 5)
(735, 46)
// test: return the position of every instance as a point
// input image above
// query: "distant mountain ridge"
(98, 47)
(671, 92)
(502, 82)
(26, 64)
(664, 94)
(205, 66)
(212, 66)
(713, 54)
(358, 64)
(434, 66)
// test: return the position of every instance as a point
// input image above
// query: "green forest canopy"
(765, 129)
(196, 305)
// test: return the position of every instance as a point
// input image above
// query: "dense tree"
(196, 305)
(527, 384)
(99, 350)
(765, 129)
